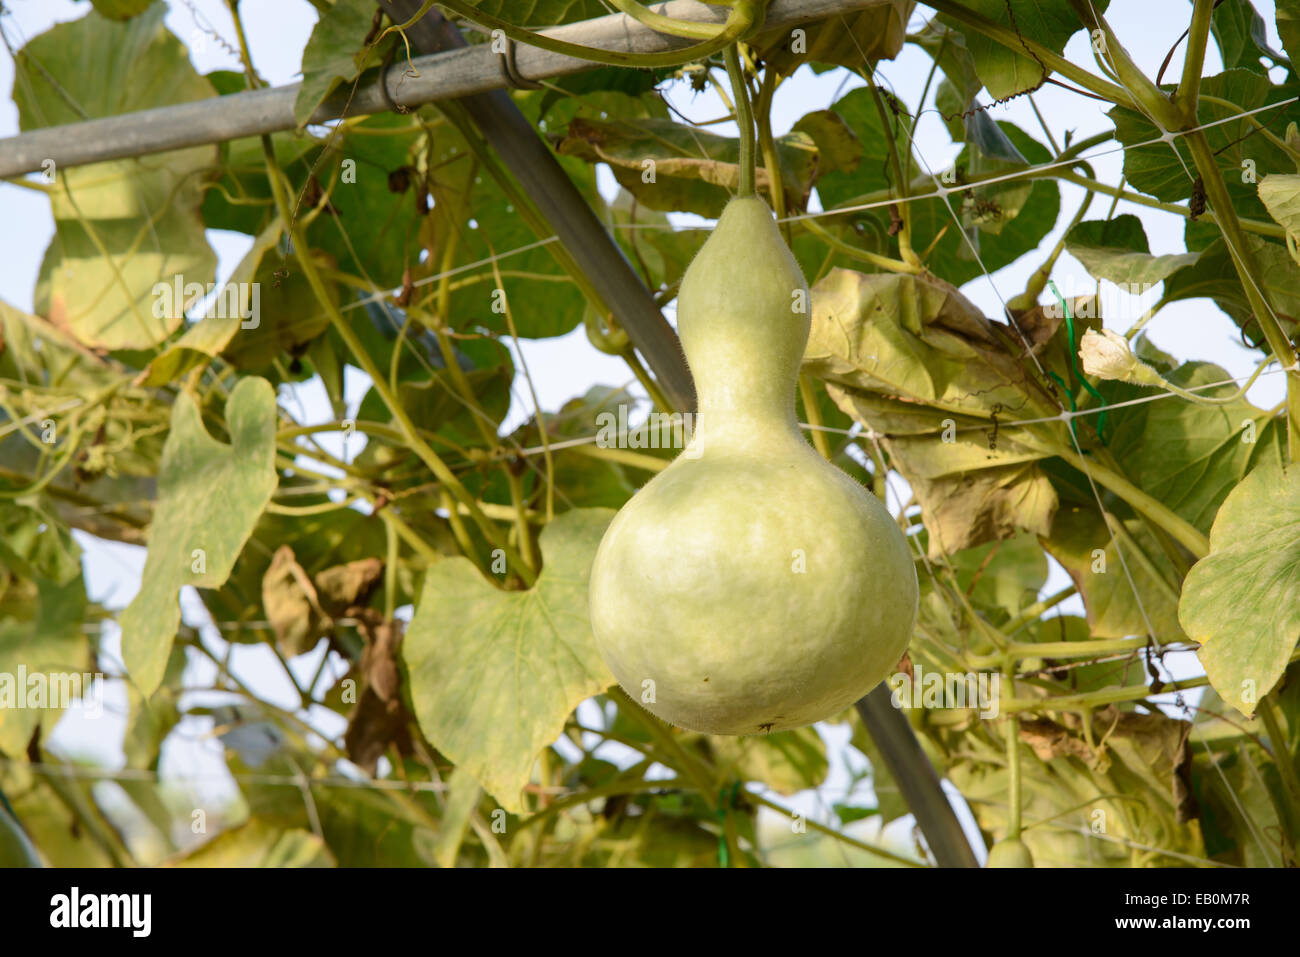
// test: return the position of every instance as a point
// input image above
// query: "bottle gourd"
(750, 586)
(1009, 852)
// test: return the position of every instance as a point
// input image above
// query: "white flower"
(1107, 355)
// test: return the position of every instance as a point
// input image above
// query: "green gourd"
(750, 586)
(1009, 852)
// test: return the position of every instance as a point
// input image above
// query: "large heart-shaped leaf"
(913, 359)
(209, 498)
(494, 674)
(1240, 601)
(1005, 70)
(121, 227)
(1167, 171)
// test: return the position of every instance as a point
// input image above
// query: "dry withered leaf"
(379, 718)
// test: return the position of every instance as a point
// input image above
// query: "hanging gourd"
(750, 586)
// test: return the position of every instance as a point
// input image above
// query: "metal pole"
(520, 148)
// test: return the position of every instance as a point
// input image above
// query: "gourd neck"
(743, 318)
(746, 416)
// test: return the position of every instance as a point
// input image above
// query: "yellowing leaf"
(494, 674)
(671, 166)
(121, 227)
(1280, 194)
(210, 496)
(258, 844)
(913, 359)
(1242, 601)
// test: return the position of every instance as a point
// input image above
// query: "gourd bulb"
(750, 586)
(1009, 852)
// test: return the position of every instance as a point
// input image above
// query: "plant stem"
(742, 19)
(687, 765)
(379, 383)
(1198, 36)
(1243, 259)
(814, 416)
(838, 835)
(863, 255)
(663, 24)
(900, 179)
(1282, 758)
(1013, 766)
(1037, 609)
(1183, 531)
(744, 120)
(767, 146)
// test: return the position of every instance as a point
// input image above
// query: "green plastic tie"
(1074, 371)
(726, 801)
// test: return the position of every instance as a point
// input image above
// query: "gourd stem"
(1013, 766)
(744, 120)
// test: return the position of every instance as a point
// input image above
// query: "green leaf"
(370, 229)
(1002, 576)
(462, 799)
(475, 219)
(240, 199)
(1239, 31)
(838, 149)
(1214, 276)
(581, 480)
(207, 338)
(947, 47)
(1005, 71)
(852, 40)
(1288, 28)
(209, 498)
(1117, 250)
(692, 170)
(1242, 804)
(37, 546)
(320, 541)
(16, 849)
(1189, 455)
(335, 54)
(288, 316)
(121, 226)
(1084, 543)
(542, 13)
(121, 9)
(494, 674)
(1167, 172)
(609, 79)
(1133, 782)
(1239, 601)
(1012, 218)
